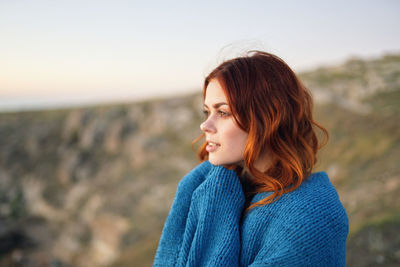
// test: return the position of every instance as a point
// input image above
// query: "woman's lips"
(211, 146)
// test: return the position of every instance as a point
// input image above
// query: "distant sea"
(12, 104)
(59, 101)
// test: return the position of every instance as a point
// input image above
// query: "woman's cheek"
(235, 141)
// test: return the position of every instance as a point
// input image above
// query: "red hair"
(269, 102)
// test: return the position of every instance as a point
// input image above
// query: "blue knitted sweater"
(306, 227)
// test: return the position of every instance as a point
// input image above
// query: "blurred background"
(100, 100)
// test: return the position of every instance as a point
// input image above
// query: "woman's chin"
(215, 161)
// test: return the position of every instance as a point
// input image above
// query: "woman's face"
(225, 140)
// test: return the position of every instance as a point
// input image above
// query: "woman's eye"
(220, 113)
(223, 113)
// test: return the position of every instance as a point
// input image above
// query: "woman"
(254, 201)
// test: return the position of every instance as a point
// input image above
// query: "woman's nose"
(208, 126)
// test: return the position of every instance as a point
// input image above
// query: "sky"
(66, 52)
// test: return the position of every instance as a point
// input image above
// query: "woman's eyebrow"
(217, 105)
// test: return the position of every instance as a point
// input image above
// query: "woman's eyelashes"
(219, 112)
(223, 113)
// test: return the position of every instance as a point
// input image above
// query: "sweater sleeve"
(297, 249)
(172, 235)
(308, 231)
(212, 235)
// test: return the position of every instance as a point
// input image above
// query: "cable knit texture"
(306, 227)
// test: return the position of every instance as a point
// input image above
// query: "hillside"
(75, 184)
